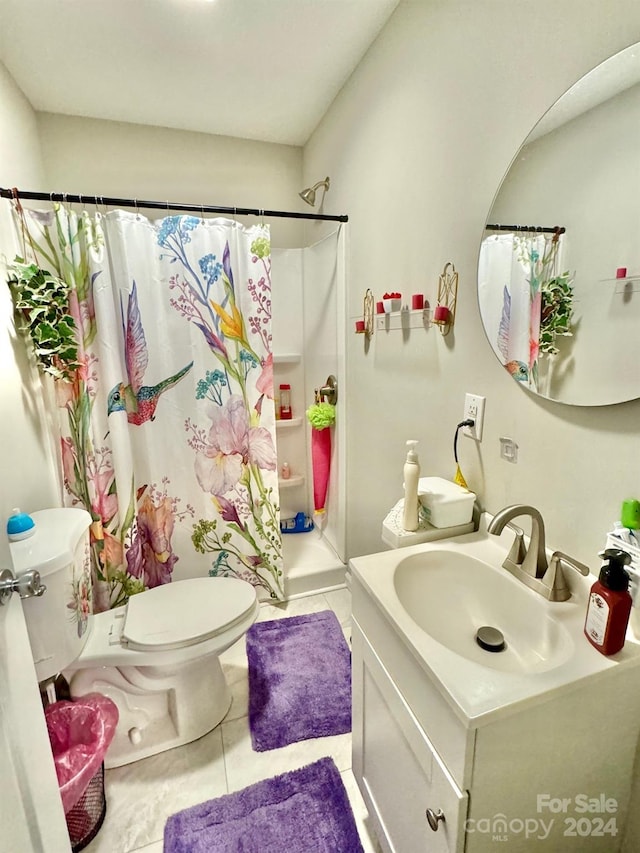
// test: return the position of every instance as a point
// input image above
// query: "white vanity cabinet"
(398, 770)
(552, 775)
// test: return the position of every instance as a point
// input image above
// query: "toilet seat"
(177, 615)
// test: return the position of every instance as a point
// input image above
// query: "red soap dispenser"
(609, 604)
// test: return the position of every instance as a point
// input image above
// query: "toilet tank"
(57, 621)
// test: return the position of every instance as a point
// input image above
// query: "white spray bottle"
(411, 472)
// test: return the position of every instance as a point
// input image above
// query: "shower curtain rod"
(77, 198)
(539, 229)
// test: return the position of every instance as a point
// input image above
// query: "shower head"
(309, 195)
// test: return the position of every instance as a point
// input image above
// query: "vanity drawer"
(398, 770)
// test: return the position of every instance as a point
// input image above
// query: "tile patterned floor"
(141, 796)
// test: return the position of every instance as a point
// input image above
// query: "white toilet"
(156, 657)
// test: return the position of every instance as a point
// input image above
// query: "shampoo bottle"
(609, 604)
(411, 473)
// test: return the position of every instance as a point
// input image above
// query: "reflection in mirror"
(562, 310)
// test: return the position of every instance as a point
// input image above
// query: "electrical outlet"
(474, 408)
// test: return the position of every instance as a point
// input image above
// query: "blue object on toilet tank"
(20, 526)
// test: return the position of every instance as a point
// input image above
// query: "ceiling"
(256, 69)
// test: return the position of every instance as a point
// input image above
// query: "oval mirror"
(559, 268)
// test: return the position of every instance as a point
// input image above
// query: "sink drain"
(490, 639)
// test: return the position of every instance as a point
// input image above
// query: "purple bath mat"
(303, 811)
(299, 680)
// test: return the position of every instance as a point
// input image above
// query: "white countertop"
(479, 694)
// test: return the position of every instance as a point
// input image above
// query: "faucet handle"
(554, 578)
(518, 550)
(570, 561)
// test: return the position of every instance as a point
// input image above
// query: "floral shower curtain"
(167, 431)
(514, 271)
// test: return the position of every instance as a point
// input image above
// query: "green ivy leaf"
(41, 302)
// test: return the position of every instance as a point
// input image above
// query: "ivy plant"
(556, 311)
(41, 302)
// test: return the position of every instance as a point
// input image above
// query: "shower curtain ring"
(16, 199)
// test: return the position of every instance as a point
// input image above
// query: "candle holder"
(367, 311)
(444, 314)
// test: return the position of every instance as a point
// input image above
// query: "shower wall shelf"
(287, 358)
(293, 480)
(405, 319)
(288, 423)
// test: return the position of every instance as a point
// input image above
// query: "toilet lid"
(186, 612)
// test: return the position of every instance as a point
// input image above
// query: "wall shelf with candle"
(624, 284)
(404, 319)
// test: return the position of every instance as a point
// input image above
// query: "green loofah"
(321, 415)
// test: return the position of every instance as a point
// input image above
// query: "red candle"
(417, 301)
(441, 314)
(359, 326)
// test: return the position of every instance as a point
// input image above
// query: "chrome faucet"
(530, 564)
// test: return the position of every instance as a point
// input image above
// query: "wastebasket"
(80, 732)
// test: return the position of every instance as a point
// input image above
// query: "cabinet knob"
(434, 818)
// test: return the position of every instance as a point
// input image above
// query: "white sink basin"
(450, 595)
(437, 595)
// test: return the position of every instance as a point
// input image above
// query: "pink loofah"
(321, 460)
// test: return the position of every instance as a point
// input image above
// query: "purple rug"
(303, 811)
(299, 680)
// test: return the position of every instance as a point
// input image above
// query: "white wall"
(416, 144)
(110, 158)
(28, 474)
(20, 157)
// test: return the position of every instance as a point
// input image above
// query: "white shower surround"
(308, 298)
